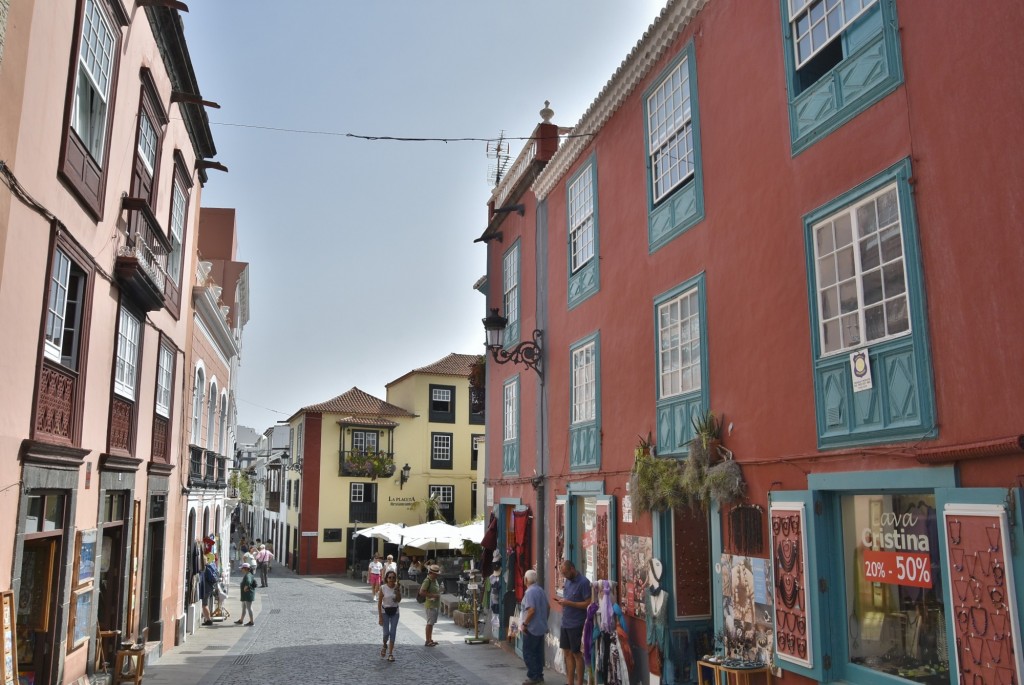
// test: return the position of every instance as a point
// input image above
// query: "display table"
(741, 672)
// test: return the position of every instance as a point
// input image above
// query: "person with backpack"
(208, 588)
(430, 593)
(248, 594)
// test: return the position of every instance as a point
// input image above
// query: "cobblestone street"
(324, 630)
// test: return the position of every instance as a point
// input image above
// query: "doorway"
(39, 591)
(112, 553)
(153, 571)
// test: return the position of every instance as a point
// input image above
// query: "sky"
(361, 253)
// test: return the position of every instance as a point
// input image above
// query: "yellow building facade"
(366, 461)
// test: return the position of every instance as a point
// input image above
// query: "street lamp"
(403, 476)
(527, 352)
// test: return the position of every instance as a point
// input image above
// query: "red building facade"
(788, 214)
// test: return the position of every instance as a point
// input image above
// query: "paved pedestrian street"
(324, 630)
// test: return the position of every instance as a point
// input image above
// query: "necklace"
(789, 595)
(993, 538)
(954, 531)
(976, 645)
(787, 555)
(998, 626)
(976, 590)
(958, 558)
(957, 586)
(983, 628)
(972, 564)
(998, 574)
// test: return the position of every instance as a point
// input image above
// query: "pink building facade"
(800, 216)
(104, 146)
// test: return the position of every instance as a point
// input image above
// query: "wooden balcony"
(56, 419)
(141, 262)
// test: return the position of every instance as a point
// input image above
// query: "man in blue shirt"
(534, 626)
(574, 602)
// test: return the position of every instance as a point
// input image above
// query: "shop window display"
(894, 604)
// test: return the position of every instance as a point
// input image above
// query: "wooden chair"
(101, 663)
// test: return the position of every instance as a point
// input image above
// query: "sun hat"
(246, 565)
(433, 568)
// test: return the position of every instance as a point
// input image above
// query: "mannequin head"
(654, 571)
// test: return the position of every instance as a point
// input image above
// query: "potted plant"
(710, 474)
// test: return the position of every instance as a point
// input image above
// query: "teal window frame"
(585, 436)
(683, 207)
(585, 280)
(514, 254)
(510, 447)
(901, 404)
(675, 414)
(570, 503)
(825, 561)
(872, 67)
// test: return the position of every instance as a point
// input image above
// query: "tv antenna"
(498, 151)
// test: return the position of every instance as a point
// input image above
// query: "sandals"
(383, 652)
(391, 658)
(430, 643)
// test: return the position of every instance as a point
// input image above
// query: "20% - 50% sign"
(898, 568)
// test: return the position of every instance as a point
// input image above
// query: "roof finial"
(547, 112)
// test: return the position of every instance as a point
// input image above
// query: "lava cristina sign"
(898, 568)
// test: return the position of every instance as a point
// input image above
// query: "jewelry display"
(985, 613)
(792, 639)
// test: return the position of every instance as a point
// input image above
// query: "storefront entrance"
(39, 593)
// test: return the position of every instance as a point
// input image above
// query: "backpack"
(210, 576)
(420, 597)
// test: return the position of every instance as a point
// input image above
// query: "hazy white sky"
(361, 252)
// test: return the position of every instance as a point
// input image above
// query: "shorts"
(571, 639)
(374, 579)
(431, 615)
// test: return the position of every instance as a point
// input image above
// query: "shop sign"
(897, 568)
(401, 501)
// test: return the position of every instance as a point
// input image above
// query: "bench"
(410, 588)
(449, 603)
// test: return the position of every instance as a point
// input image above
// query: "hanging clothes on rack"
(656, 603)
(521, 537)
(612, 657)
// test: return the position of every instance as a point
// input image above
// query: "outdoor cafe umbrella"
(433, 535)
(389, 532)
(473, 532)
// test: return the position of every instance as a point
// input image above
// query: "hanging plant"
(654, 482)
(710, 474)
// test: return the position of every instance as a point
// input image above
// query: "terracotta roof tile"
(367, 421)
(453, 365)
(355, 401)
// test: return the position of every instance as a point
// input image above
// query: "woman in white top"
(387, 612)
(375, 569)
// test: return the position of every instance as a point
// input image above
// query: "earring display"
(793, 628)
(981, 591)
